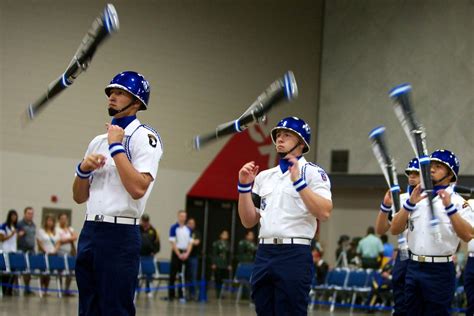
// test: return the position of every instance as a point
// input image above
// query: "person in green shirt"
(247, 248)
(221, 260)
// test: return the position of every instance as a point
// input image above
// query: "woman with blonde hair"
(48, 243)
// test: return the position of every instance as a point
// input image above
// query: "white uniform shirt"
(421, 241)
(470, 245)
(107, 195)
(64, 234)
(48, 241)
(403, 197)
(10, 244)
(181, 235)
(283, 213)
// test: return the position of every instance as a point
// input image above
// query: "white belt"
(284, 241)
(112, 219)
(470, 254)
(430, 259)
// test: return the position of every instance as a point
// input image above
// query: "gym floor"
(52, 305)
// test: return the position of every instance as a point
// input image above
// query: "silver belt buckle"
(421, 258)
(277, 241)
(99, 218)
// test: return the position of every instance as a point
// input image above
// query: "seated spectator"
(387, 250)
(67, 237)
(321, 266)
(8, 238)
(48, 243)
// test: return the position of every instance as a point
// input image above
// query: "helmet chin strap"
(283, 155)
(113, 112)
(440, 180)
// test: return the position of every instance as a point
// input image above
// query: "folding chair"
(38, 267)
(357, 284)
(4, 268)
(243, 273)
(148, 272)
(18, 265)
(336, 282)
(164, 270)
(57, 268)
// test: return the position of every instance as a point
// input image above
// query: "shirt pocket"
(112, 174)
(292, 200)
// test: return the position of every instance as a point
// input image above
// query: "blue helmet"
(296, 125)
(413, 165)
(134, 83)
(447, 158)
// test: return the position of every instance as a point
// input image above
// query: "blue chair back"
(147, 265)
(71, 263)
(357, 278)
(244, 271)
(3, 263)
(164, 267)
(38, 262)
(56, 263)
(337, 277)
(17, 262)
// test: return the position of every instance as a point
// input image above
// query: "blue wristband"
(244, 188)
(385, 208)
(451, 209)
(409, 206)
(82, 174)
(116, 148)
(299, 184)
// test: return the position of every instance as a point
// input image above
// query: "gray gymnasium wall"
(206, 62)
(370, 46)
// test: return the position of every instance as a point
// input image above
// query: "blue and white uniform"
(469, 272)
(109, 244)
(430, 278)
(181, 235)
(399, 272)
(283, 270)
(10, 244)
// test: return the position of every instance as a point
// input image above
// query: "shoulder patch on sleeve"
(320, 170)
(152, 140)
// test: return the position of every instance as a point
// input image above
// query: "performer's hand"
(248, 172)
(416, 196)
(293, 168)
(445, 197)
(93, 162)
(114, 133)
(387, 199)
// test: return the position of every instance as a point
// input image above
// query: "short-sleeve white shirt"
(48, 241)
(65, 234)
(420, 238)
(470, 244)
(283, 213)
(10, 244)
(107, 195)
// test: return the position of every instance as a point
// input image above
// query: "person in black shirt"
(150, 238)
(194, 257)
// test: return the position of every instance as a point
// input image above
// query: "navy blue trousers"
(108, 258)
(429, 288)
(469, 285)
(281, 279)
(398, 285)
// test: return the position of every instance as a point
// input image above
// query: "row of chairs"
(152, 271)
(241, 280)
(156, 272)
(18, 264)
(344, 280)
